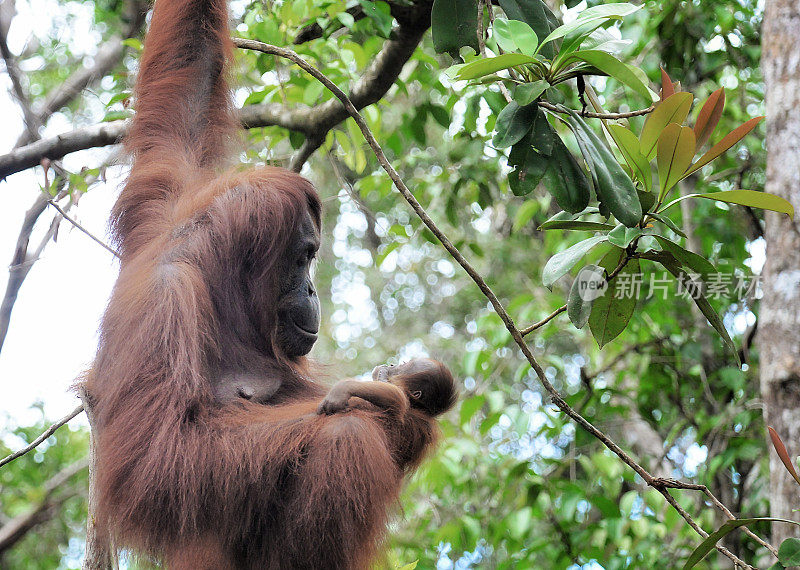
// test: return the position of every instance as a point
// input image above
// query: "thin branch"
(544, 321)
(557, 399)
(610, 116)
(80, 227)
(47, 433)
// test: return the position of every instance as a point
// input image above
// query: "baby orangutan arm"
(382, 394)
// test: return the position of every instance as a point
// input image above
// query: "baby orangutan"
(422, 383)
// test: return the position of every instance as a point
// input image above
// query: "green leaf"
(614, 188)
(609, 64)
(628, 145)
(502, 35)
(789, 552)
(646, 199)
(610, 315)
(565, 179)
(527, 93)
(575, 225)
(536, 14)
(529, 167)
(513, 123)
(708, 543)
(410, 565)
(752, 198)
(687, 258)
(513, 35)
(727, 142)
(709, 116)
(622, 237)
(673, 265)
(676, 145)
(454, 24)
(581, 297)
(488, 65)
(543, 137)
(674, 109)
(558, 265)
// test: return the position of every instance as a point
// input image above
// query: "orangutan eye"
(416, 394)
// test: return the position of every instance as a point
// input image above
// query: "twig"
(557, 399)
(47, 433)
(544, 321)
(610, 116)
(80, 227)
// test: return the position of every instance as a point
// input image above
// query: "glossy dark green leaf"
(565, 179)
(558, 265)
(613, 186)
(513, 123)
(612, 312)
(454, 24)
(529, 167)
(543, 136)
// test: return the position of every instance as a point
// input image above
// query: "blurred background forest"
(515, 484)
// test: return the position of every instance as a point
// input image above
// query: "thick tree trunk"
(779, 319)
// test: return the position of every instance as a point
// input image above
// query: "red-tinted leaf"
(666, 85)
(780, 449)
(727, 142)
(674, 110)
(709, 116)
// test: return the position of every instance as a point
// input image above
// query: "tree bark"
(779, 319)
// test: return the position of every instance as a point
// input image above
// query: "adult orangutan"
(211, 452)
